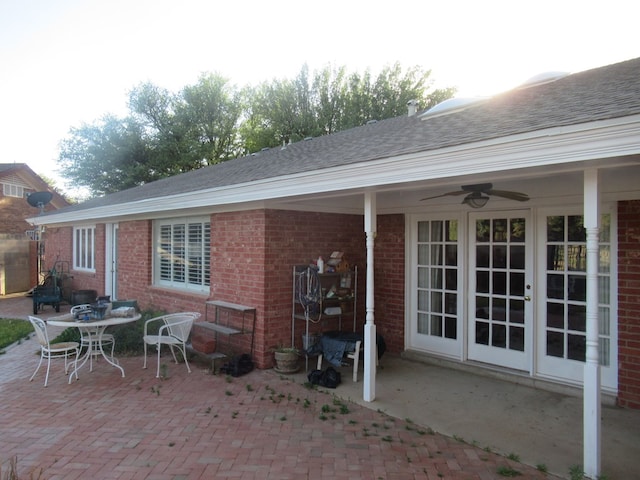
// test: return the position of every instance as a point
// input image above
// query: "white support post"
(591, 386)
(370, 350)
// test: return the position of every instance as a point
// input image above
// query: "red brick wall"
(254, 253)
(629, 304)
(389, 261)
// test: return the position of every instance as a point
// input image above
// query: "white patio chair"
(49, 350)
(89, 336)
(174, 332)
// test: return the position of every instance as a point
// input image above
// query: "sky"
(65, 63)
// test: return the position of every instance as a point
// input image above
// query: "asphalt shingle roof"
(603, 93)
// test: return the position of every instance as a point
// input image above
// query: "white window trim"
(13, 190)
(179, 285)
(80, 262)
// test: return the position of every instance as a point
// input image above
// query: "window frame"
(190, 238)
(84, 259)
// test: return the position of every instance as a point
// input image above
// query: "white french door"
(562, 325)
(500, 314)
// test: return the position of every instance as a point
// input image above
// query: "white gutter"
(550, 147)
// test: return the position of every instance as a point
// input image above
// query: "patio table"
(94, 330)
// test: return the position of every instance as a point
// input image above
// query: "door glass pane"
(576, 347)
(498, 335)
(436, 255)
(575, 229)
(423, 254)
(423, 277)
(516, 257)
(451, 279)
(482, 282)
(516, 284)
(483, 230)
(516, 338)
(450, 303)
(436, 278)
(577, 317)
(499, 256)
(577, 258)
(423, 231)
(423, 300)
(577, 288)
(482, 307)
(516, 311)
(436, 302)
(450, 327)
(451, 230)
(500, 230)
(555, 229)
(451, 255)
(500, 283)
(555, 286)
(555, 344)
(482, 333)
(555, 257)
(555, 315)
(499, 310)
(517, 230)
(482, 256)
(423, 325)
(436, 325)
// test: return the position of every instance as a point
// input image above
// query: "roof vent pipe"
(413, 107)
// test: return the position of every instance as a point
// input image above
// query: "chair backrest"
(41, 330)
(179, 324)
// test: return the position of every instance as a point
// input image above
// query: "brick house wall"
(389, 279)
(629, 304)
(252, 258)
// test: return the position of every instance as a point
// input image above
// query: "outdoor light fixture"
(476, 200)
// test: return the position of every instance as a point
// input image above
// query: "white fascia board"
(550, 147)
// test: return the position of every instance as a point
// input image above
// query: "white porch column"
(591, 392)
(370, 350)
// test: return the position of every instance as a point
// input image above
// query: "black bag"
(314, 377)
(239, 365)
(329, 378)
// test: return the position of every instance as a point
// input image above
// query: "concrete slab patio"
(427, 422)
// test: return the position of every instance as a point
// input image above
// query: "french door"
(500, 289)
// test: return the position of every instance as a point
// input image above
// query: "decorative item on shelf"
(286, 360)
(337, 262)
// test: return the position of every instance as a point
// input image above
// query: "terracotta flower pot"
(286, 361)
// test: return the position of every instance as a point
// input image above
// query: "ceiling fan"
(478, 195)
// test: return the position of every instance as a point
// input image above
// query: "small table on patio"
(93, 329)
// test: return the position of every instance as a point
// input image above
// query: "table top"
(68, 321)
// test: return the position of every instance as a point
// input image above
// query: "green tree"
(107, 156)
(212, 121)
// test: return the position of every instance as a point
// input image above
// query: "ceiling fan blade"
(520, 197)
(448, 194)
(477, 187)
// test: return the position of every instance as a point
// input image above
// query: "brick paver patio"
(198, 425)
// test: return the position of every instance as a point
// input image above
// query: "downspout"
(370, 350)
(591, 383)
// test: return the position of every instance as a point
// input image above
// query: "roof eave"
(549, 147)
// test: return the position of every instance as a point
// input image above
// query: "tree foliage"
(212, 121)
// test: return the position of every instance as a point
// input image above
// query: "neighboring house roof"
(22, 174)
(601, 94)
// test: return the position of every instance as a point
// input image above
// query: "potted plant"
(286, 359)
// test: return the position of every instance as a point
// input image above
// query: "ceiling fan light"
(476, 200)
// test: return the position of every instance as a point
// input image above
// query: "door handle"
(527, 298)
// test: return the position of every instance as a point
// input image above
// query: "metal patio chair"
(174, 331)
(50, 350)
